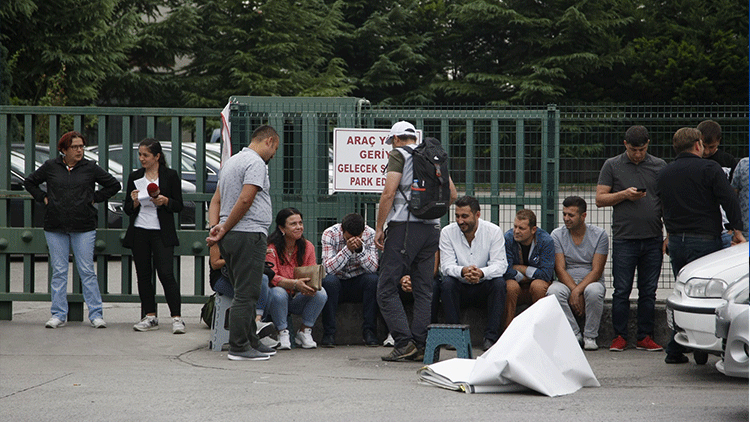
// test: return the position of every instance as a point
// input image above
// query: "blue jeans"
(224, 286)
(683, 250)
(82, 244)
(627, 255)
(726, 240)
(281, 304)
(361, 288)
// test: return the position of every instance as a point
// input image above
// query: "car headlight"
(705, 288)
(739, 291)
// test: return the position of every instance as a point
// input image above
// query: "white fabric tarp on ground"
(537, 351)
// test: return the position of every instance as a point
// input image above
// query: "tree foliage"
(197, 53)
(689, 51)
(266, 48)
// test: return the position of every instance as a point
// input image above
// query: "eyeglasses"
(76, 147)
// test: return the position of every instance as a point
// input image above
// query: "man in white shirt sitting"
(473, 261)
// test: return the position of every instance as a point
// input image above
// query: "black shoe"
(449, 347)
(679, 358)
(487, 344)
(328, 341)
(419, 356)
(400, 354)
(370, 339)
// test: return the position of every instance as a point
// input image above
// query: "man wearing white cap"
(409, 248)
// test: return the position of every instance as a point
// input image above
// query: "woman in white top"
(154, 195)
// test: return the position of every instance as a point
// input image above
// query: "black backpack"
(430, 189)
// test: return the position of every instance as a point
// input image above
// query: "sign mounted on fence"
(360, 157)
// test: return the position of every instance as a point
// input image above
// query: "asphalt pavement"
(79, 373)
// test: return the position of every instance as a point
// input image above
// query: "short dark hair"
(353, 224)
(711, 131)
(263, 132)
(67, 139)
(575, 201)
(529, 215)
(685, 138)
(636, 136)
(468, 201)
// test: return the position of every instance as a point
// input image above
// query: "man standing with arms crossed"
(413, 254)
(240, 214)
(691, 190)
(627, 183)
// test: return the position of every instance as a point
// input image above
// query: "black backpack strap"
(408, 210)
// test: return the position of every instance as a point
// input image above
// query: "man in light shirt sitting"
(472, 261)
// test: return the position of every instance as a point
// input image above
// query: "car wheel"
(700, 357)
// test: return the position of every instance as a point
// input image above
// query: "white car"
(691, 308)
(732, 329)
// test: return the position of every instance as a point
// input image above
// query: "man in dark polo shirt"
(627, 183)
(711, 132)
(691, 190)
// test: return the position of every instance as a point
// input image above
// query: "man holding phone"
(627, 183)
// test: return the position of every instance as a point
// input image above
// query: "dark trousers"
(627, 255)
(361, 288)
(415, 257)
(407, 298)
(245, 255)
(491, 293)
(149, 251)
(683, 250)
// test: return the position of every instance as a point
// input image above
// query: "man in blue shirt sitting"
(530, 252)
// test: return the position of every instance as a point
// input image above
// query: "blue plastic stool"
(220, 325)
(456, 335)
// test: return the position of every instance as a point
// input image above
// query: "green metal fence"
(508, 157)
(26, 127)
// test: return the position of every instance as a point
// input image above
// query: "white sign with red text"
(360, 157)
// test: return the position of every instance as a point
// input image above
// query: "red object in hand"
(153, 190)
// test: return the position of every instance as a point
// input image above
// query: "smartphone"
(641, 189)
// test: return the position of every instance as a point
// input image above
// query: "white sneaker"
(389, 341)
(590, 344)
(55, 322)
(579, 339)
(284, 342)
(269, 342)
(178, 326)
(304, 339)
(98, 323)
(148, 323)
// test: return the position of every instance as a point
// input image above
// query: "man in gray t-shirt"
(627, 183)
(240, 214)
(580, 253)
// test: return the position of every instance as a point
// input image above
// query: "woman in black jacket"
(70, 222)
(154, 195)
